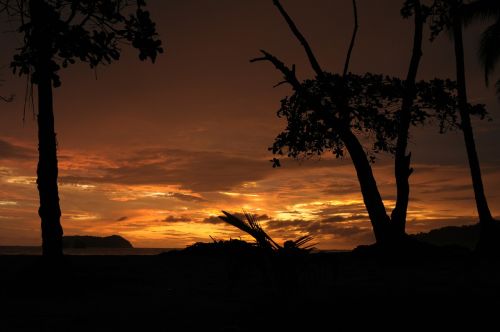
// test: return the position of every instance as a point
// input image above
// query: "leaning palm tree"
(449, 14)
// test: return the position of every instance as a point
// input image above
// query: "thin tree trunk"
(402, 169)
(489, 229)
(371, 195)
(477, 182)
(47, 172)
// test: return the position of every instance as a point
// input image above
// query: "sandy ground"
(230, 292)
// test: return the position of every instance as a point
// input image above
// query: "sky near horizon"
(155, 152)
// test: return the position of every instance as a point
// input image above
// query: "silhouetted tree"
(57, 33)
(328, 112)
(448, 14)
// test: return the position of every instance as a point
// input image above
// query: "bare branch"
(280, 83)
(353, 39)
(290, 76)
(312, 58)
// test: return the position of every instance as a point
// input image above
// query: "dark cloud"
(288, 225)
(320, 228)
(12, 151)
(174, 219)
(343, 218)
(213, 220)
(122, 218)
(341, 189)
(335, 219)
(200, 171)
(339, 218)
(187, 198)
(327, 210)
(217, 220)
(444, 188)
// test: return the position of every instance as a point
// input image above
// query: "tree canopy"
(91, 31)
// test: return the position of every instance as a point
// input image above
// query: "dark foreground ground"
(231, 292)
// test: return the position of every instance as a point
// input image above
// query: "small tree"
(332, 111)
(57, 33)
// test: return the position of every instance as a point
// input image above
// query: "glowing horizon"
(155, 152)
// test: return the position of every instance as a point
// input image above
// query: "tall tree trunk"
(486, 221)
(477, 182)
(47, 172)
(371, 195)
(402, 170)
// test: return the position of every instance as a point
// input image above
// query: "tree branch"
(289, 74)
(312, 58)
(353, 39)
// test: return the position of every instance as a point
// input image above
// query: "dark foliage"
(222, 246)
(461, 236)
(89, 31)
(372, 109)
(252, 227)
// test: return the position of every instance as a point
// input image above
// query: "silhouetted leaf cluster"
(235, 246)
(90, 31)
(441, 13)
(320, 110)
(252, 227)
(408, 9)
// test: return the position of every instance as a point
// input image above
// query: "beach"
(177, 291)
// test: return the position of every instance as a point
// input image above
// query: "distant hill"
(84, 241)
(463, 236)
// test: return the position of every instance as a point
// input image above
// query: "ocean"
(27, 250)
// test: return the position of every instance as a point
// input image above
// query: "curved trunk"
(402, 169)
(371, 195)
(489, 230)
(477, 182)
(47, 172)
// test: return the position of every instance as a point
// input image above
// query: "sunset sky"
(155, 152)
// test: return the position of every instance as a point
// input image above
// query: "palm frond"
(236, 222)
(489, 49)
(480, 10)
(252, 227)
(303, 240)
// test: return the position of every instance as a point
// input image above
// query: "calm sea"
(22, 250)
